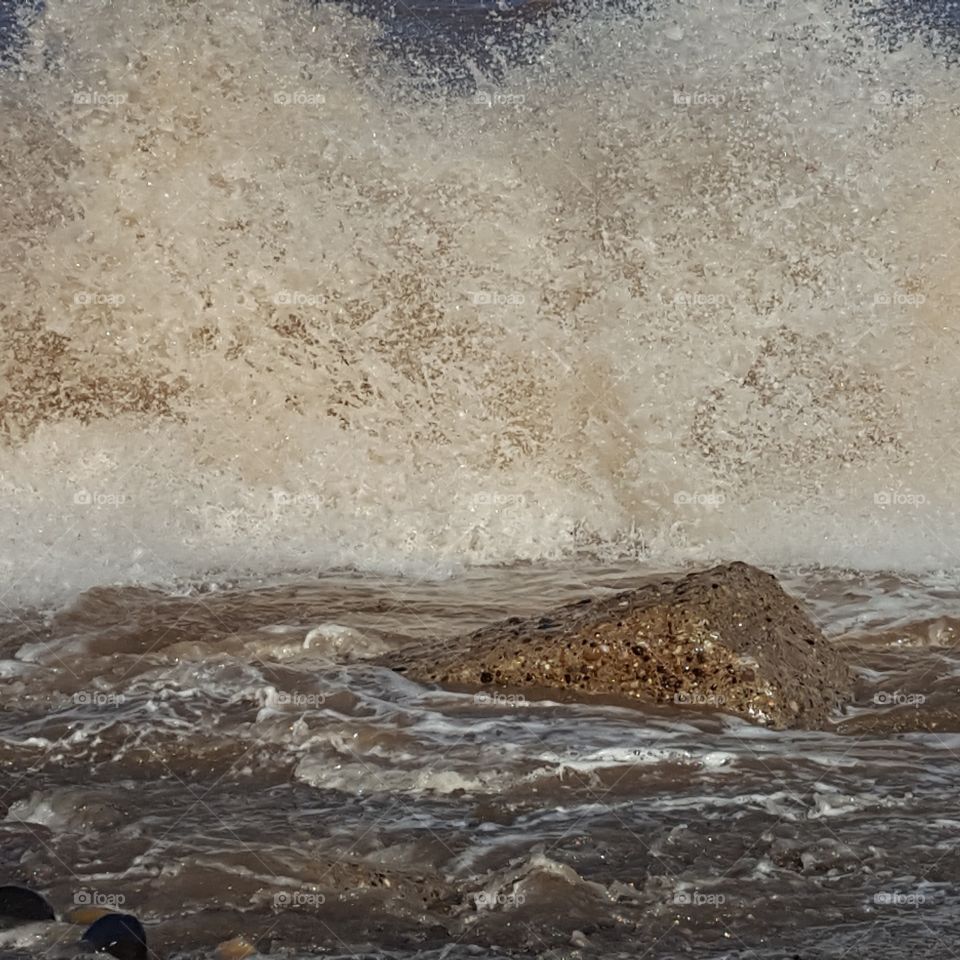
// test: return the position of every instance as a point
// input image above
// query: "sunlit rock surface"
(729, 638)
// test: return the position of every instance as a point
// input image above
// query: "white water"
(264, 307)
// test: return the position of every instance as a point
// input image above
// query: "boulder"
(729, 638)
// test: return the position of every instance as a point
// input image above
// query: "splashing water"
(680, 286)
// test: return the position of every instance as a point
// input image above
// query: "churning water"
(577, 292)
(676, 284)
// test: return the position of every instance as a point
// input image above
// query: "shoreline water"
(195, 755)
(505, 310)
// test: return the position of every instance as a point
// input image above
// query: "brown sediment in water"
(729, 638)
(194, 761)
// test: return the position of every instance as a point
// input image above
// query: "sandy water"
(220, 761)
(498, 306)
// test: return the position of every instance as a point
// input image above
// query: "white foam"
(639, 755)
(371, 777)
(36, 809)
(44, 937)
(339, 325)
(344, 643)
(11, 668)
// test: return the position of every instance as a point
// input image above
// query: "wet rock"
(18, 905)
(237, 948)
(119, 934)
(85, 916)
(729, 638)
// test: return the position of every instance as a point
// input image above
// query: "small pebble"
(86, 915)
(236, 949)
(579, 939)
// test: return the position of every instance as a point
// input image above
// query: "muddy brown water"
(284, 287)
(221, 762)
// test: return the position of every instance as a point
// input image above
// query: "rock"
(239, 948)
(84, 916)
(728, 638)
(119, 934)
(18, 905)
